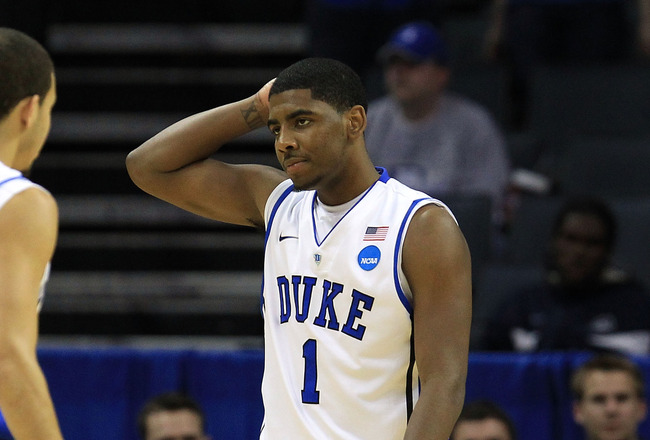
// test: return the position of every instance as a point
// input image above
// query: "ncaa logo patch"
(369, 257)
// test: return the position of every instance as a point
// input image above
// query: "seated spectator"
(609, 398)
(372, 22)
(584, 303)
(172, 416)
(426, 136)
(483, 420)
(527, 34)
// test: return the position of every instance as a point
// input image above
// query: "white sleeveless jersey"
(339, 360)
(13, 182)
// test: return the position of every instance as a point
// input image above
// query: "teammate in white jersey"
(367, 286)
(28, 233)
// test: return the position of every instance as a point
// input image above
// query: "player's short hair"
(169, 401)
(609, 363)
(482, 410)
(330, 81)
(25, 69)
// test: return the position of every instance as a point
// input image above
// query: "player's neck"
(8, 154)
(347, 189)
(9, 141)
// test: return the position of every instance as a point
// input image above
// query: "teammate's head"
(26, 69)
(483, 420)
(27, 95)
(329, 80)
(172, 416)
(609, 398)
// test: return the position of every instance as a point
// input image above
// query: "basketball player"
(28, 233)
(366, 289)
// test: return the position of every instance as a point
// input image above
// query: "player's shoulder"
(38, 197)
(29, 223)
(411, 195)
(32, 206)
(434, 214)
(428, 213)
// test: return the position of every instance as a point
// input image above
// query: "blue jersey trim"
(382, 178)
(12, 178)
(274, 211)
(400, 293)
(409, 377)
(383, 174)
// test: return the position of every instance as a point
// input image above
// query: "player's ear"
(356, 121)
(28, 108)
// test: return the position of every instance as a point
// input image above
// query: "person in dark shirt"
(584, 303)
(527, 34)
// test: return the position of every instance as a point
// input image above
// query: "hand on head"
(262, 98)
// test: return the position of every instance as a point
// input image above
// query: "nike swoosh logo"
(284, 237)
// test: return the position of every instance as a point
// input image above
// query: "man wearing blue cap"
(426, 136)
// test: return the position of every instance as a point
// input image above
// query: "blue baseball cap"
(416, 42)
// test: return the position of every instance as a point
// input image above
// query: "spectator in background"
(429, 138)
(528, 33)
(372, 22)
(584, 303)
(609, 398)
(483, 420)
(172, 416)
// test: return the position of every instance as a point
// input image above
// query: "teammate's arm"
(175, 165)
(436, 263)
(28, 233)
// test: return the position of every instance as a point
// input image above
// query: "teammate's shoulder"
(34, 201)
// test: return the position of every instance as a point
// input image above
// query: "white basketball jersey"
(339, 360)
(13, 182)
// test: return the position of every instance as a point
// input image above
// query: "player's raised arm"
(437, 265)
(175, 165)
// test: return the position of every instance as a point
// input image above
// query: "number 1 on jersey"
(309, 392)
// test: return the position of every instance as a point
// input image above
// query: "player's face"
(486, 429)
(610, 408)
(310, 139)
(34, 138)
(182, 424)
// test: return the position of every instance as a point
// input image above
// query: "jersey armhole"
(401, 283)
